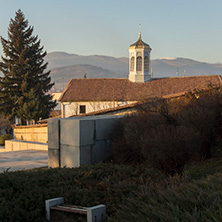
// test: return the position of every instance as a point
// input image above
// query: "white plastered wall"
(73, 108)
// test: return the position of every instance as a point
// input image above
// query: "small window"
(82, 109)
(139, 63)
(146, 63)
(132, 64)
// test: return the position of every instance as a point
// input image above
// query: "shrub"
(197, 201)
(148, 138)
(169, 148)
(3, 138)
(204, 114)
(126, 134)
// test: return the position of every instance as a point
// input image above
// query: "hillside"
(169, 67)
(62, 59)
(65, 66)
(62, 75)
(163, 67)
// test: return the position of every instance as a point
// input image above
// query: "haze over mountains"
(65, 66)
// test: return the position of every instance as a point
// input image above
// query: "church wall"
(73, 108)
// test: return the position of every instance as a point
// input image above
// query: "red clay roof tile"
(124, 90)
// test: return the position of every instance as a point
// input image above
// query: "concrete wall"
(73, 142)
(34, 133)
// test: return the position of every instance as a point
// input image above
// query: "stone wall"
(34, 133)
(79, 141)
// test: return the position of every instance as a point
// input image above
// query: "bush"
(3, 138)
(169, 148)
(26, 191)
(126, 134)
(148, 138)
(23, 193)
(197, 201)
(168, 133)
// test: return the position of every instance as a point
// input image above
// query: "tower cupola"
(139, 61)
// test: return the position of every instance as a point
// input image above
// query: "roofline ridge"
(65, 90)
(194, 76)
(96, 78)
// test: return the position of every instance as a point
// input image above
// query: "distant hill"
(62, 75)
(65, 66)
(61, 59)
(168, 67)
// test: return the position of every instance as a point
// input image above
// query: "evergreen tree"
(24, 88)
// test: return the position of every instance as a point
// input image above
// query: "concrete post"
(96, 214)
(51, 203)
(54, 143)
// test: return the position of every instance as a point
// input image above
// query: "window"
(139, 63)
(146, 63)
(132, 64)
(82, 109)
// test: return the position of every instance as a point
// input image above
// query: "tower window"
(82, 109)
(132, 64)
(146, 63)
(139, 63)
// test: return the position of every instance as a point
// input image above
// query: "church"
(85, 96)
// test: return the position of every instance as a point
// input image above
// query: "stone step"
(16, 145)
(2, 149)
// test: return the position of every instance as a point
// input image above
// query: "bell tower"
(139, 61)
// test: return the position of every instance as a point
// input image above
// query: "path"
(25, 159)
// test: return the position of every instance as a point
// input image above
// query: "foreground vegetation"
(168, 134)
(167, 167)
(131, 193)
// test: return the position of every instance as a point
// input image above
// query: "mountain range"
(65, 66)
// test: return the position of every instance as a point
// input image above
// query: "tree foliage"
(25, 85)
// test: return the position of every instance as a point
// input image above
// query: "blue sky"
(173, 28)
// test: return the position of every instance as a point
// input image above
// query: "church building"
(82, 96)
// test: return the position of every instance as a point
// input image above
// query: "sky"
(173, 28)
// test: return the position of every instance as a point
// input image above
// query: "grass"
(131, 193)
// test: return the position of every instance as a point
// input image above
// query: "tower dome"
(139, 61)
(139, 44)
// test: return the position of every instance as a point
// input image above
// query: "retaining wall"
(34, 133)
(73, 142)
(16, 145)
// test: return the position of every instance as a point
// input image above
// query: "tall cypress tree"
(24, 88)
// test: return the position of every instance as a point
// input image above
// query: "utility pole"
(177, 72)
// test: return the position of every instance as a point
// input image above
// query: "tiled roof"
(124, 90)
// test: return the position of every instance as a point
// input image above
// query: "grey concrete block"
(51, 203)
(96, 214)
(69, 132)
(53, 158)
(87, 130)
(101, 151)
(53, 133)
(104, 127)
(77, 132)
(69, 156)
(85, 155)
